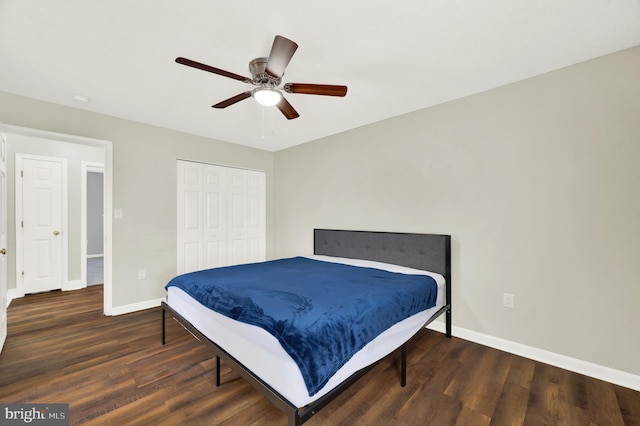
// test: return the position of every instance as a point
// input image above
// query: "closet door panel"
(256, 216)
(192, 255)
(192, 209)
(237, 220)
(215, 213)
(214, 255)
(237, 251)
(190, 221)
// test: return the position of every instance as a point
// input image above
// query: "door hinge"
(21, 173)
(22, 223)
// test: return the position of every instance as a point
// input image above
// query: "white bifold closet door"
(221, 216)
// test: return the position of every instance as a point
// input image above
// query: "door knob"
(3, 251)
(56, 232)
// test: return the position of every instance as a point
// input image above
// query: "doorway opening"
(92, 222)
(83, 155)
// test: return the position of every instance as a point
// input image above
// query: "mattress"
(261, 353)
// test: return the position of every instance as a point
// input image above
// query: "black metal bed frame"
(406, 250)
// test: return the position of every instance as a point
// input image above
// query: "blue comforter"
(321, 312)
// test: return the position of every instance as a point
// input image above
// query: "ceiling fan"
(266, 75)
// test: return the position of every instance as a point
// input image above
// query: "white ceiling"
(395, 56)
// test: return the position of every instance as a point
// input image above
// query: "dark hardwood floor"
(115, 371)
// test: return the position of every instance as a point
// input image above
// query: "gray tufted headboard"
(428, 252)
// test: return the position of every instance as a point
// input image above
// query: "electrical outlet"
(508, 300)
(142, 274)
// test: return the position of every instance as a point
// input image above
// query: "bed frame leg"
(293, 419)
(403, 365)
(163, 325)
(217, 371)
(448, 322)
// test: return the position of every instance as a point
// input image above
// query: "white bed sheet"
(261, 353)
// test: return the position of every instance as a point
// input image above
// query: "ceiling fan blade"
(285, 108)
(281, 53)
(232, 100)
(205, 67)
(315, 89)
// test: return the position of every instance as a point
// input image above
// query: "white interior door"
(42, 224)
(3, 239)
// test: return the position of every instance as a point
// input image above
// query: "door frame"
(4, 292)
(86, 167)
(107, 146)
(18, 214)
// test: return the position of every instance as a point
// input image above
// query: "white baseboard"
(621, 378)
(3, 332)
(13, 293)
(140, 306)
(74, 285)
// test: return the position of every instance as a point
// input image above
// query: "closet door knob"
(3, 251)
(56, 232)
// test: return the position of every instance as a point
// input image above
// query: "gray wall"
(144, 186)
(95, 219)
(537, 182)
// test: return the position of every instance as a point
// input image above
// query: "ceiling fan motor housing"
(258, 69)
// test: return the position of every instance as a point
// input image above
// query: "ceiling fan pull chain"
(262, 122)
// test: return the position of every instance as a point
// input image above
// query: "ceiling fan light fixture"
(266, 96)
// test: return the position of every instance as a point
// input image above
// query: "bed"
(271, 365)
